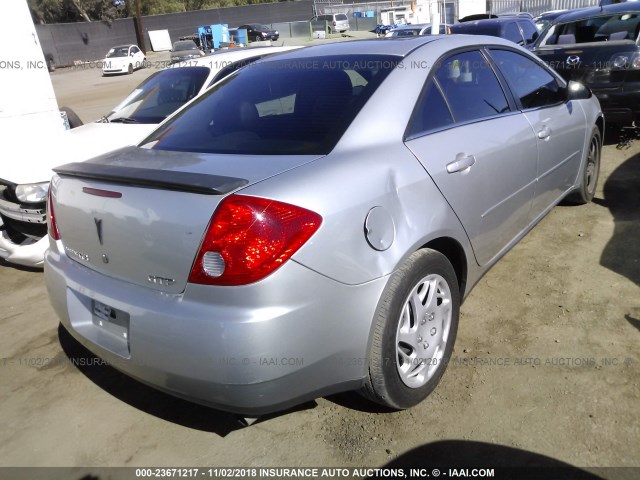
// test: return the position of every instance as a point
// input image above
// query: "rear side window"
(431, 112)
(529, 31)
(277, 107)
(531, 83)
(470, 87)
(512, 32)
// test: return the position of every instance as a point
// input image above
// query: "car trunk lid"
(139, 215)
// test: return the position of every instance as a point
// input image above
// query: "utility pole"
(139, 31)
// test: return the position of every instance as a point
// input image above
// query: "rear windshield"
(341, 16)
(492, 29)
(277, 107)
(404, 32)
(160, 95)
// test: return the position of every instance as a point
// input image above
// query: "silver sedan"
(283, 237)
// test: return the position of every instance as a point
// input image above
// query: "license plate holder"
(110, 320)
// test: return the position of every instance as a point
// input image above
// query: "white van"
(336, 22)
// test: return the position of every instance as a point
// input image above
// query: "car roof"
(231, 55)
(410, 26)
(583, 13)
(398, 46)
(488, 22)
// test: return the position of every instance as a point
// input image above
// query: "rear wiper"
(124, 120)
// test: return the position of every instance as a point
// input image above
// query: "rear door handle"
(543, 133)
(461, 163)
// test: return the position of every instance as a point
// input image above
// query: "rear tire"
(415, 328)
(74, 119)
(589, 182)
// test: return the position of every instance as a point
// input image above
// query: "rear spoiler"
(201, 183)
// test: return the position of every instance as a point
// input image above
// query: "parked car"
(123, 59)
(22, 205)
(335, 22)
(257, 32)
(185, 50)
(250, 255)
(410, 30)
(520, 30)
(598, 46)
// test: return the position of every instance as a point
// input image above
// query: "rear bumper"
(292, 337)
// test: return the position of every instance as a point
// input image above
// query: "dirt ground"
(546, 362)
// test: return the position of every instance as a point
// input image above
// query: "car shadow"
(152, 401)
(508, 462)
(621, 197)
(635, 322)
(353, 401)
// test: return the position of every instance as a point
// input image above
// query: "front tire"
(415, 329)
(72, 117)
(587, 189)
(130, 69)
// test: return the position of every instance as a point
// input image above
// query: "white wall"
(471, 7)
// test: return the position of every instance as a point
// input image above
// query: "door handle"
(543, 133)
(461, 163)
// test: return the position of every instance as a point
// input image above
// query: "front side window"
(470, 87)
(619, 27)
(277, 107)
(531, 83)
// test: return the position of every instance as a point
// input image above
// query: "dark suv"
(518, 29)
(599, 48)
(257, 32)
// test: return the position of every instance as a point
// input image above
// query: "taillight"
(334, 23)
(249, 238)
(52, 227)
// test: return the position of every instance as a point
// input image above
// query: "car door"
(138, 57)
(558, 124)
(478, 149)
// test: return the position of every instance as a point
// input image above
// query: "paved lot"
(546, 362)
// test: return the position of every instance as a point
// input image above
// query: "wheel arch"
(600, 125)
(454, 252)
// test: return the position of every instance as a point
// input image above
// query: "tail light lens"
(334, 23)
(249, 238)
(51, 217)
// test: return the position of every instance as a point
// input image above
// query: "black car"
(597, 47)
(257, 32)
(518, 29)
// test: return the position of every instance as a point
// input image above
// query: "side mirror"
(578, 91)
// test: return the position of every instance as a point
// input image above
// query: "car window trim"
(232, 66)
(537, 61)
(511, 100)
